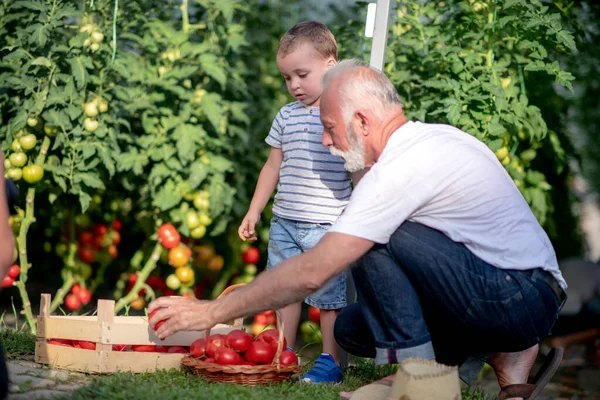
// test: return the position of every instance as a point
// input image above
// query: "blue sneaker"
(325, 370)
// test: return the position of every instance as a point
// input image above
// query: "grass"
(183, 385)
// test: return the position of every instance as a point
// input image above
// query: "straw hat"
(416, 379)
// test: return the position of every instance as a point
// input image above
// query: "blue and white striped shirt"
(313, 184)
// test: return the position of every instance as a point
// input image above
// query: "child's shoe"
(325, 370)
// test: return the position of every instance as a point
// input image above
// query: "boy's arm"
(267, 181)
(6, 237)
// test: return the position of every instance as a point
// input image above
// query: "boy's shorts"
(288, 238)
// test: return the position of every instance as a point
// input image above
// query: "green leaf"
(167, 197)
(91, 179)
(60, 181)
(40, 36)
(186, 142)
(58, 118)
(42, 61)
(217, 196)
(210, 65)
(496, 128)
(79, 71)
(566, 38)
(32, 5)
(220, 164)
(84, 201)
(211, 106)
(198, 172)
(107, 160)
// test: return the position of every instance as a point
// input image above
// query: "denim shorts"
(288, 238)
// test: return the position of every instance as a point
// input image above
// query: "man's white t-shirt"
(444, 178)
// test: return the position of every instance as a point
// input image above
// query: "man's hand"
(246, 229)
(181, 314)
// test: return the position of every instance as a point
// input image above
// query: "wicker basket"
(245, 375)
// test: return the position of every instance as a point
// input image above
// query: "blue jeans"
(288, 238)
(423, 295)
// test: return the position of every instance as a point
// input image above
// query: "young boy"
(313, 185)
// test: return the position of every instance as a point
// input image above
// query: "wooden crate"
(105, 330)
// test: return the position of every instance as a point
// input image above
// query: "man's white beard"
(354, 159)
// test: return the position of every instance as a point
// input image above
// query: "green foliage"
(470, 64)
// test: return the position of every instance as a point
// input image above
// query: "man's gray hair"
(363, 85)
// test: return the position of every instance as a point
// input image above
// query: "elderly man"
(449, 261)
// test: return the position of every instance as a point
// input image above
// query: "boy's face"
(303, 70)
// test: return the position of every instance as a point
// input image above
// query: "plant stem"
(185, 16)
(141, 279)
(58, 298)
(22, 240)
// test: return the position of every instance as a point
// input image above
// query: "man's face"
(303, 70)
(342, 138)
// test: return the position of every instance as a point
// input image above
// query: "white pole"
(382, 17)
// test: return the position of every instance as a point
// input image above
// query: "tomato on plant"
(185, 274)
(260, 353)
(192, 220)
(87, 254)
(117, 225)
(314, 314)
(204, 219)
(225, 356)
(115, 236)
(238, 340)
(72, 302)
(28, 142)
(138, 303)
(198, 348)
(203, 254)
(7, 281)
(84, 295)
(32, 122)
(90, 125)
(50, 130)
(168, 236)
(178, 257)
(75, 289)
(14, 271)
(112, 251)
(18, 160)
(173, 282)
(33, 173)
(90, 109)
(86, 238)
(251, 255)
(215, 263)
(198, 232)
(100, 229)
(15, 174)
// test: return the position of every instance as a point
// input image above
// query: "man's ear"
(331, 62)
(363, 122)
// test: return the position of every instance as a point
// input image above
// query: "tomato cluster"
(241, 348)
(79, 296)
(16, 164)
(311, 331)
(100, 238)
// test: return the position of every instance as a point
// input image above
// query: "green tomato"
(61, 249)
(199, 232)
(50, 130)
(18, 160)
(28, 142)
(201, 203)
(97, 37)
(7, 165)
(16, 145)
(90, 109)
(173, 282)
(250, 269)
(94, 47)
(33, 173)
(192, 220)
(309, 327)
(205, 219)
(90, 125)
(33, 122)
(103, 106)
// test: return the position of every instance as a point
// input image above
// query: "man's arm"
(290, 282)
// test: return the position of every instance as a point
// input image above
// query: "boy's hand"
(246, 229)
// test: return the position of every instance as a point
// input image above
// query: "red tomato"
(75, 289)
(7, 281)
(14, 271)
(314, 314)
(214, 342)
(87, 254)
(87, 345)
(132, 279)
(121, 347)
(225, 356)
(161, 349)
(159, 323)
(144, 348)
(288, 358)
(84, 295)
(100, 229)
(260, 353)
(61, 342)
(270, 336)
(210, 360)
(116, 237)
(247, 363)
(76, 344)
(86, 238)
(156, 282)
(177, 349)
(117, 225)
(198, 348)
(72, 302)
(168, 236)
(99, 242)
(261, 319)
(251, 255)
(238, 340)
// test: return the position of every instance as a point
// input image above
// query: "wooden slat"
(139, 334)
(140, 362)
(48, 328)
(70, 358)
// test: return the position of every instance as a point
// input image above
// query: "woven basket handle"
(276, 358)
